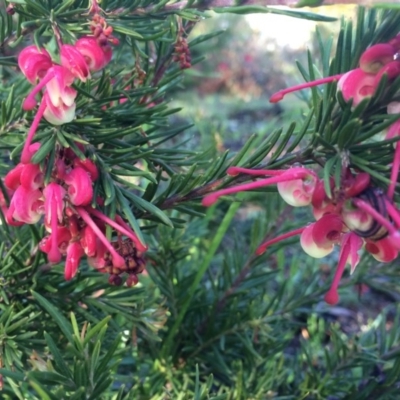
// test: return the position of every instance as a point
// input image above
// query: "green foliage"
(210, 320)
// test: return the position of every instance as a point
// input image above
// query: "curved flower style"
(295, 185)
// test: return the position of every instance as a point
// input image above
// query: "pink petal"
(376, 56)
(95, 55)
(357, 85)
(73, 60)
(26, 205)
(310, 247)
(34, 63)
(80, 189)
(74, 255)
(382, 250)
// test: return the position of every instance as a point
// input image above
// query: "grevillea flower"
(360, 83)
(89, 241)
(59, 115)
(80, 190)
(96, 56)
(58, 103)
(357, 85)
(74, 61)
(377, 56)
(382, 250)
(356, 213)
(63, 236)
(117, 259)
(34, 63)
(319, 238)
(26, 206)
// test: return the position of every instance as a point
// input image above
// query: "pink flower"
(359, 83)
(376, 56)
(59, 115)
(13, 178)
(34, 63)
(80, 190)
(382, 250)
(354, 211)
(26, 206)
(74, 61)
(89, 166)
(63, 237)
(31, 176)
(117, 260)
(96, 56)
(318, 239)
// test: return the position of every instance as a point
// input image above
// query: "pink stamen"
(332, 296)
(118, 261)
(278, 96)
(287, 176)
(26, 152)
(127, 232)
(375, 214)
(261, 249)
(30, 101)
(54, 254)
(395, 172)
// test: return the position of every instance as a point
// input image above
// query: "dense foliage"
(210, 318)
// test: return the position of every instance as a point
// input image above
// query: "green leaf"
(60, 320)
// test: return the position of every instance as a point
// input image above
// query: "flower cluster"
(74, 228)
(354, 216)
(377, 61)
(62, 192)
(57, 105)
